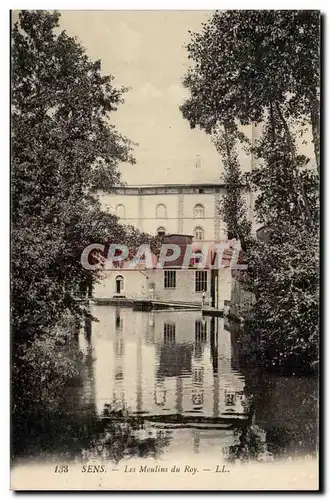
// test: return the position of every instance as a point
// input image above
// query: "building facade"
(191, 209)
(172, 283)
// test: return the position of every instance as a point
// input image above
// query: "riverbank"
(158, 305)
(146, 304)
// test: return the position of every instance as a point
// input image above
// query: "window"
(120, 211)
(199, 212)
(200, 338)
(199, 233)
(169, 279)
(119, 284)
(197, 399)
(200, 330)
(230, 398)
(197, 259)
(198, 375)
(160, 394)
(201, 281)
(169, 333)
(239, 395)
(161, 231)
(119, 375)
(161, 212)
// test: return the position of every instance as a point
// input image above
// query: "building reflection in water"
(119, 355)
(165, 363)
(119, 321)
(197, 396)
(214, 330)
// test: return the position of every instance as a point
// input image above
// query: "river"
(174, 383)
(183, 374)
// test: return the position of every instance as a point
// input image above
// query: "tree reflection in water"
(87, 436)
(121, 435)
(252, 445)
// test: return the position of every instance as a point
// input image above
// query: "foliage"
(232, 204)
(85, 436)
(64, 149)
(43, 367)
(273, 429)
(251, 446)
(283, 273)
(244, 60)
(262, 67)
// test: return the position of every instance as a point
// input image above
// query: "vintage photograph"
(165, 188)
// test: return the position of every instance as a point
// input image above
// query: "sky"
(145, 51)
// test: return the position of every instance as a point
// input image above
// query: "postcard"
(165, 172)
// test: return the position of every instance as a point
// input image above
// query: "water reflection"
(82, 435)
(165, 364)
(172, 367)
(163, 382)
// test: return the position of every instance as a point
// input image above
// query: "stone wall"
(135, 284)
(140, 210)
(224, 287)
(149, 284)
(184, 290)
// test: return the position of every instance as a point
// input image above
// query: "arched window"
(161, 231)
(120, 211)
(199, 233)
(119, 284)
(161, 211)
(199, 211)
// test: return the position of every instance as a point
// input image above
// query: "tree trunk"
(315, 118)
(235, 223)
(294, 163)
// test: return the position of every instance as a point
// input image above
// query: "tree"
(284, 272)
(232, 204)
(63, 150)
(262, 67)
(245, 60)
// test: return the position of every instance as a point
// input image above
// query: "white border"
(4, 173)
(168, 5)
